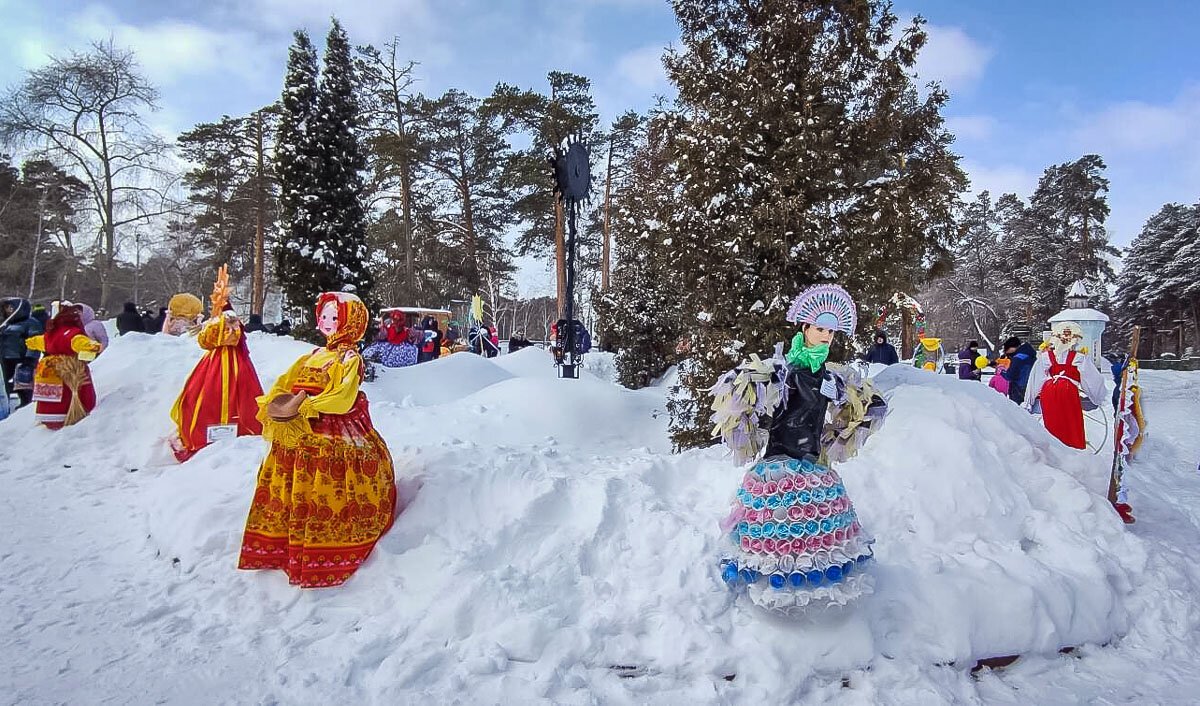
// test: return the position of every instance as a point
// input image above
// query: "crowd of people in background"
(397, 339)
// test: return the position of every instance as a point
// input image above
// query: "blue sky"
(1032, 82)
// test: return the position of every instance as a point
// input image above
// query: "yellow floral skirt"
(322, 501)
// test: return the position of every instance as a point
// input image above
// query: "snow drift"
(551, 544)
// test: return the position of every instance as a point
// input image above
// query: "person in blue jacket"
(1023, 356)
(17, 324)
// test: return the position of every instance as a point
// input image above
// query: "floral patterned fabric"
(326, 492)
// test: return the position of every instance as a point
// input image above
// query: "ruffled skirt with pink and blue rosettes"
(797, 540)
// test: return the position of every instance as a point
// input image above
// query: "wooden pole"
(560, 252)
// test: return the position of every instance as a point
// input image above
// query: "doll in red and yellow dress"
(326, 491)
(220, 397)
(62, 385)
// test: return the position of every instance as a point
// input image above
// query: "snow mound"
(551, 544)
(994, 538)
(602, 364)
(530, 362)
(435, 382)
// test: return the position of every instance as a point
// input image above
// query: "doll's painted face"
(327, 322)
(817, 335)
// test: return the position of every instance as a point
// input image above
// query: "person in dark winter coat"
(966, 362)
(130, 320)
(255, 324)
(431, 348)
(1117, 369)
(159, 320)
(284, 328)
(1023, 356)
(583, 339)
(41, 315)
(480, 340)
(17, 324)
(518, 341)
(882, 352)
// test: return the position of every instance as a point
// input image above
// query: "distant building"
(1079, 310)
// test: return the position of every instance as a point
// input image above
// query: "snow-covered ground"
(555, 550)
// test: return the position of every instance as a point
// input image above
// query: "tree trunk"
(257, 293)
(410, 272)
(1196, 324)
(464, 188)
(605, 262)
(907, 342)
(110, 234)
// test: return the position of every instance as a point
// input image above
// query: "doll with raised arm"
(219, 399)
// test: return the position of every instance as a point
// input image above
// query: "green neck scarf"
(811, 357)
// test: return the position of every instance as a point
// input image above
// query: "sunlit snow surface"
(552, 536)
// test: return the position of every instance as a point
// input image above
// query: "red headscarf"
(352, 319)
(68, 317)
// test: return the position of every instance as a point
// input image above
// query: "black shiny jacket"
(795, 430)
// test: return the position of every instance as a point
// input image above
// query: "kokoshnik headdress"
(825, 305)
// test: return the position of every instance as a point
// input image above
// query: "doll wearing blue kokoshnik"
(797, 541)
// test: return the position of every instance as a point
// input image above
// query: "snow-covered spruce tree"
(806, 153)
(294, 164)
(323, 246)
(338, 249)
(1181, 279)
(1158, 283)
(641, 309)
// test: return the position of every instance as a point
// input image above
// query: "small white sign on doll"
(217, 432)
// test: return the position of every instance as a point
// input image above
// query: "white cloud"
(971, 127)
(643, 68)
(425, 29)
(1134, 126)
(952, 58)
(1000, 179)
(168, 51)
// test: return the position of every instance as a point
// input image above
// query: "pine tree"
(546, 121)
(806, 154)
(1036, 258)
(295, 164)
(338, 245)
(1074, 195)
(223, 189)
(1057, 239)
(640, 312)
(61, 211)
(394, 154)
(465, 151)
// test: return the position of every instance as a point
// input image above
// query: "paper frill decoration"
(744, 396)
(825, 299)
